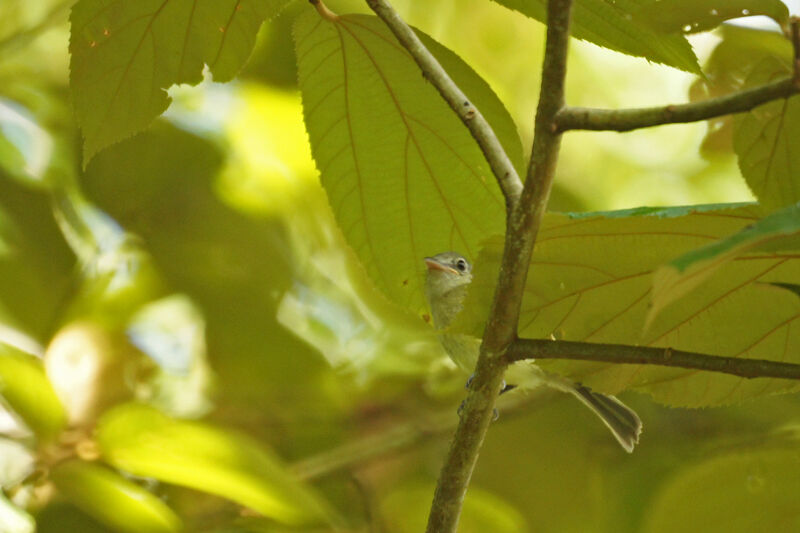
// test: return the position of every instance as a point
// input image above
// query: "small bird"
(446, 285)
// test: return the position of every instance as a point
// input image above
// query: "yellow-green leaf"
(611, 24)
(402, 173)
(26, 389)
(732, 493)
(112, 499)
(590, 281)
(775, 232)
(124, 55)
(691, 16)
(145, 442)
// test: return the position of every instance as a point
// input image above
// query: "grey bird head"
(448, 278)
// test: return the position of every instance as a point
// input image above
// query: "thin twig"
(645, 355)
(794, 24)
(501, 165)
(523, 224)
(361, 451)
(583, 118)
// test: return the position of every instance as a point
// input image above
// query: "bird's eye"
(461, 265)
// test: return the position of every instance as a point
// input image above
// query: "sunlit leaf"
(727, 70)
(691, 16)
(141, 440)
(25, 148)
(591, 278)
(13, 519)
(776, 232)
(735, 492)
(403, 175)
(25, 388)
(112, 499)
(125, 54)
(611, 24)
(765, 141)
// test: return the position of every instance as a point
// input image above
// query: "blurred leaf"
(112, 499)
(611, 24)
(726, 71)
(26, 389)
(591, 281)
(125, 54)
(13, 519)
(778, 231)
(692, 16)
(765, 140)
(161, 186)
(143, 441)
(91, 367)
(413, 183)
(36, 266)
(25, 148)
(742, 492)
(405, 509)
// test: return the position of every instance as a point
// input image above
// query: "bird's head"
(449, 274)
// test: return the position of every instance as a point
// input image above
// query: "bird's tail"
(623, 421)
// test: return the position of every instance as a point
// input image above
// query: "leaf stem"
(583, 118)
(524, 219)
(481, 131)
(522, 349)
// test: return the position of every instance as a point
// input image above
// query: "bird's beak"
(433, 264)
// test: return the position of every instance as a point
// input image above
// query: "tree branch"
(481, 131)
(524, 219)
(522, 349)
(583, 118)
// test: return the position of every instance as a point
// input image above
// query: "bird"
(447, 281)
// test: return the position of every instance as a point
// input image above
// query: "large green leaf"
(611, 24)
(737, 492)
(125, 54)
(145, 442)
(591, 278)
(25, 388)
(690, 16)
(727, 70)
(112, 499)
(403, 175)
(776, 232)
(766, 140)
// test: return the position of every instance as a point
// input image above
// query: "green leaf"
(112, 499)
(765, 141)
(403, 175)
(26, 389)
(36, 266)
(611, 24)
(590, 281)
(738, 492)
(727, 70)
(692, 16)
(145, 442)
(125, 54)
(776, 232)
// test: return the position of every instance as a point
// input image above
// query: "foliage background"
(267, 325)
